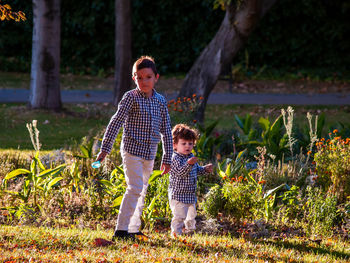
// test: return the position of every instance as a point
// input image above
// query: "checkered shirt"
(183, 179)
(145, 122)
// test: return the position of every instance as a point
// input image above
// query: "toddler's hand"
(192, 160)
(209, 168)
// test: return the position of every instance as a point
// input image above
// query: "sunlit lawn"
(59, 130)
(32, 244)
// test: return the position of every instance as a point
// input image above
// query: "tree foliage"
(295, 34)
(6, 13)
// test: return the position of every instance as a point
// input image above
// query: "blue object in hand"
(96, 164)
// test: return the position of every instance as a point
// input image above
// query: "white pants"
(137, 172)
(183, 215)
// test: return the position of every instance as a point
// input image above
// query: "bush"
(321, 212)
(332, 165)
(213, 202)
(241, 199)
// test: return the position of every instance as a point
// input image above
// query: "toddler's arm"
(181, 167)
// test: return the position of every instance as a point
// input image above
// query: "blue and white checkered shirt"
(183, 179)
(145, 122)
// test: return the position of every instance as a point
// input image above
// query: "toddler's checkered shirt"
(145, 122)
(183, 179)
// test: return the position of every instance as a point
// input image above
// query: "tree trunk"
(122, 76)
(45, 68)
(235, 29)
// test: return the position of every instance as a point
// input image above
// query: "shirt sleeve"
(165, 131)
(180, 167)
(116, 122)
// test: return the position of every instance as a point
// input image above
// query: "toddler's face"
(184, 146)
(145, 79)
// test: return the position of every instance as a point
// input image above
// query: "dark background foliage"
(293, 35)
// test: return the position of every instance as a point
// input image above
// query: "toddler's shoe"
(188, 232)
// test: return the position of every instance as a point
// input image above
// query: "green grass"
(225, 114)
(56, 129)
(59, 130)
(38, 244)
(14, 80)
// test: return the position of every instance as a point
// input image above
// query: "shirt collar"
(184, 155)
(144, 95)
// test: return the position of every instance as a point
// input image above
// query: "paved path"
(90, 96)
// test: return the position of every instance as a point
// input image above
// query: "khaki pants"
(137, 172)
(183, 215)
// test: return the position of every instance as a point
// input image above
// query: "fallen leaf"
(100, 242)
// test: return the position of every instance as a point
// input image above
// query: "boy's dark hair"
(182, 131)
(144, 62)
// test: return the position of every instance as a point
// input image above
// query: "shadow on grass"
(304, 247)
(226, 249)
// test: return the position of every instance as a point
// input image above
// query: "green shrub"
(157, 202)
(321, 212)
(291, 205)
(213, 202)
(241, 199)
(333, 165)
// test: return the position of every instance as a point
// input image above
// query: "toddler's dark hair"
(144, 62)
(182, 131)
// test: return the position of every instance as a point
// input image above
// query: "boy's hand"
(101, 156)
(192, 160)
(208, 168)
(165, 168)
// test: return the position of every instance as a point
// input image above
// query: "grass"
(14, 80)
(56, 129)
(60, 130)
(37, 244)
(225, 114)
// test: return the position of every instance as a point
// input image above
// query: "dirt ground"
(173, 85)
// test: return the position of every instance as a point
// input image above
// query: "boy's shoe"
(122, 234)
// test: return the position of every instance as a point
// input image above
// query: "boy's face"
(145, 79)
(184, 146)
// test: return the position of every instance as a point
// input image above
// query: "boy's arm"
(115, 123)
(165, 131)
(180, 167)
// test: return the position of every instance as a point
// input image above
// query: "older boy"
(144, 115)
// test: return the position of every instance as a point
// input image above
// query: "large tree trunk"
(235, 29)
(122, 77)
(45, 68)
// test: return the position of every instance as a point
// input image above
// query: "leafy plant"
(321, 212)
(115, 187)
(291, 203)
(332, 165)
(207, 144)
(213, 202)
(157, 202)
(37, 179)
(231, 169)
